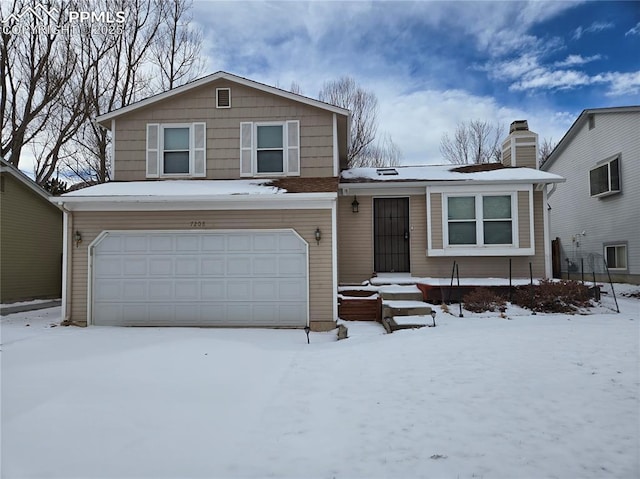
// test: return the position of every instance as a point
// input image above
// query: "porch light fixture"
(78, 238)
(318, 235)
(433, 316)
(355, 204)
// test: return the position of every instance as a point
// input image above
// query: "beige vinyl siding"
(525, 155)
(524, 225)
(304, 222)
(30, 244)
(223, 129)
(437, 239)
(355, 240)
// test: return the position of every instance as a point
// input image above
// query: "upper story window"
(479, 220)
(176, 150)
(604, 179)
(270, 148)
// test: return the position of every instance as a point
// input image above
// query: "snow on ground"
(545, 396)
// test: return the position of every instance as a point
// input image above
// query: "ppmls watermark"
(40, 20)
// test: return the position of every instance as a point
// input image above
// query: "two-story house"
(596, 214)
(232, 205)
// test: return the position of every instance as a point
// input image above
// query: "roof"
(6, 167)
(488, 173)
(577, 126)
(211, 78)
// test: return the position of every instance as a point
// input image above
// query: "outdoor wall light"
(318, 235)
(433, 316)
(355, 204)
(78, 238)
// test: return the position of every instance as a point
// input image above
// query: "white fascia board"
(217, 76)
(302, 201)
(410, 185)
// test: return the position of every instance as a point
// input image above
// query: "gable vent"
(223, 97)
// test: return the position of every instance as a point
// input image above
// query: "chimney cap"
(519, 125)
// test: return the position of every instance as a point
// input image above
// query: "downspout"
(67, 223)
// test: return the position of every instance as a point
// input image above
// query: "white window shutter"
(153, 150)
(246, 149)
(199, 132)
(293, 148)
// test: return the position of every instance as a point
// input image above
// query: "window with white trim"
(479, 220)
(176, 150)
(604, 179)
(270, 148)
(616, 256)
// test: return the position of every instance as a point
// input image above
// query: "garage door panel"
(212, 266)
(135, 267)
(134, 290)
(213, 290)
(193, 278)
(187, 266)
(186, 290)
(160, 289)
(135, 244)
(238, 266)
(291, 265)
(239, 242)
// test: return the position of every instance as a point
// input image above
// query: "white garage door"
(212, 278)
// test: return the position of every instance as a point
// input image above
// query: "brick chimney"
(520, 148)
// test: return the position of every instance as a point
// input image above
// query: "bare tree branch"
(545, 149)
(474, 141)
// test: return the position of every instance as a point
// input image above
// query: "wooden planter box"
(360, 309)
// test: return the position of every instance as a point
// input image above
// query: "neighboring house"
(595, 215)
(30, 239)
(225, 211)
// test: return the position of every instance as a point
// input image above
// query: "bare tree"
(383, 152)
(295, 88)
(474, 141)
(545, 149)
(363, 105)
(35, 72)
(176, 49)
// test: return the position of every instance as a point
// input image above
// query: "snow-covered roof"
(178, 188)
(438, 173)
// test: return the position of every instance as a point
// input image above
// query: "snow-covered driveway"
(533, 397)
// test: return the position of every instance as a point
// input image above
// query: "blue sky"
(434, 64)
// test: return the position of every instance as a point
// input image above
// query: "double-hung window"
(479, 220)
(270, 148)
(176, 150)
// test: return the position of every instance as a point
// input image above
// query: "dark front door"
(391, 235)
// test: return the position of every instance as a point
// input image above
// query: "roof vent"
(519, 125)
(386, 171)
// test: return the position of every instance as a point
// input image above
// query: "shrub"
(553, 296)
(483, 299)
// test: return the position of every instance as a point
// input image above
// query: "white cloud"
(593, 28)
(633, 31)
(572, 60)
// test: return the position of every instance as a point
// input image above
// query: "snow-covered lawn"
(546, 396)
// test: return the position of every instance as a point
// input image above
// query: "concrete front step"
(400, 293)
(395, 323)
(404, 308)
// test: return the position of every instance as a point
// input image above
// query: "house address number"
(198, 224)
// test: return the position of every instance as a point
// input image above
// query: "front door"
(391, 235)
